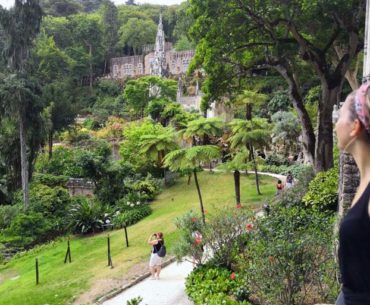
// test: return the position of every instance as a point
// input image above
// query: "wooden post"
(37, 271)
(110, 263)
(125, 228)
(68, 253)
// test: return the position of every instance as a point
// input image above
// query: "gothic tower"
(158, 64)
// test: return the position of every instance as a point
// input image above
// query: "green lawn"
(60, 283)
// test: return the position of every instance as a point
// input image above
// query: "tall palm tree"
(250, 134)
(20, 26)
(156, 146)
(192, 158)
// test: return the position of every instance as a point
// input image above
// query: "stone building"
(163, 60)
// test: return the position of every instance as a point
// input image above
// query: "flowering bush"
(189, 242)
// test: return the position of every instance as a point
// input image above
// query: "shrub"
(50, 180)
(208, 285)
(7, 214)
(88, 216)
(186, 245)
(51, 202)
(289, 259)
(62, 164)
(31, 228)
(147, 188)
(132, 216)
(277, 160)
(323, 191)
(226, 235)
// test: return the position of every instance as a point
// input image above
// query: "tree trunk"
(91, 67)
(237, 186)
(308, 135)
(251, 153)
(50, 143)
(199, 195)
(324, 143)
(248, 111)
(24, 163)
(105, 66)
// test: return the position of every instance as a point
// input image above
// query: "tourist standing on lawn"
(156, 241)
(353, 133)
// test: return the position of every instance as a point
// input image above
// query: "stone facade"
(80, 187)
(161, 60)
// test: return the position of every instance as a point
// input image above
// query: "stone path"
(169, 290)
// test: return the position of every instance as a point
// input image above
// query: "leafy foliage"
(191, 158)
(290, 254)
(88, 216)
(323, 191)
(211, 286)
(132, 216)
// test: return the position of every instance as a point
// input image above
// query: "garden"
(91, 164)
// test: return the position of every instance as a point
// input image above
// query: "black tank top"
(354, 251)
(158, 246)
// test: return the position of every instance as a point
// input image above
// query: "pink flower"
(249, 227)
(238, 206)
(232, 276)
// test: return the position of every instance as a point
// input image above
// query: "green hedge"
(130, 217)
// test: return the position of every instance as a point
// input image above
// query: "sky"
(9, 3)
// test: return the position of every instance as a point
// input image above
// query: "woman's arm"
(152, 241)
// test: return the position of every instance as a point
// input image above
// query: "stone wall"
(80, 187)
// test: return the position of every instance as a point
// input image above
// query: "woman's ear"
(356, 128)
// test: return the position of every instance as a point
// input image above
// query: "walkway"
(169, 290)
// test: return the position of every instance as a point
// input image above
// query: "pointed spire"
(160, 23)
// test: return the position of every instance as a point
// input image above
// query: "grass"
(61, 283)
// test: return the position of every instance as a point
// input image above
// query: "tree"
(60, 7)
(286, 130)
(138, 93)
(192, 158)
(156, 146)
(183, 44)
(202, 129)
(136, 33)
(238, 162)
(248, 99)
(60, 112)
(110, 30)
(250, 37)
(130, 2)
(21, 24)
(53, 68)
(250, 133)
(87, 36)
